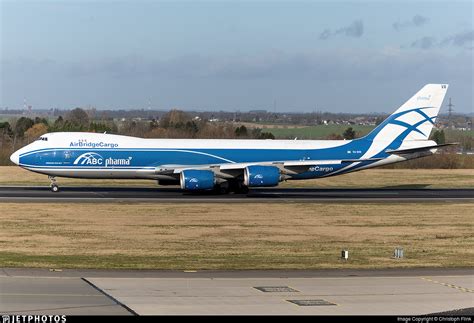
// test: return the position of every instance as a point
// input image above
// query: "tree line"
(174, 124)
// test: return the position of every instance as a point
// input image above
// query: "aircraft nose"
(15, 158)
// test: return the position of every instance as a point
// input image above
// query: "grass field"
(382, 178)
(241, 236)
(235, 236)
(315, 132)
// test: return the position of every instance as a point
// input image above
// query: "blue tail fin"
(414, 120)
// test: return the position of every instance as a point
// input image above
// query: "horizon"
(41, 111)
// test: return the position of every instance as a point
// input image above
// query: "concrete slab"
(353, 295)
(397, 291)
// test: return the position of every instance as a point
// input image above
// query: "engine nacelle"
(258, 176)
(193, 179)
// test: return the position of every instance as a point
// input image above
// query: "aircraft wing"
(232, 170)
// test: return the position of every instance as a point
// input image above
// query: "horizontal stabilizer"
(418, 149)
(360, 160)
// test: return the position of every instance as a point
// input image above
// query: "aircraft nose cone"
(15, 158)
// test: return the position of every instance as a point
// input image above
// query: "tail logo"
(413, 127)
(426, 98)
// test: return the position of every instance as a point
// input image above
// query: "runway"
(312, 292)
(161, 195)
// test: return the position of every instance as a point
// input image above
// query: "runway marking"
(42, 277)
(462, 289)
(42, 310)
(33, 294)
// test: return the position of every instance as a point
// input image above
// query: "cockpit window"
(43, 138)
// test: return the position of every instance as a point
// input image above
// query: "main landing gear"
(235, 187)
(53, 185)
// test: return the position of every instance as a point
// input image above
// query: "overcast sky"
(353, 56)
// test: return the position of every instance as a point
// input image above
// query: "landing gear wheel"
(53, 185)
(222, 188)
(238, 188)
(242, 190)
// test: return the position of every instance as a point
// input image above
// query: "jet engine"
(194, 180)
(259, 176)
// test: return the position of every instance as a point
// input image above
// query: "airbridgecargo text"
(101, 144)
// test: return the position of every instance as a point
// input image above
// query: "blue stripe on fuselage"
(142, 157)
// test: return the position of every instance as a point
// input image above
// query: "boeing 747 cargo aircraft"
(235, 165)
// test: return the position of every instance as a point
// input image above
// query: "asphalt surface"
(40, 295)
(310, 273)
(139, 194)
(332, 292)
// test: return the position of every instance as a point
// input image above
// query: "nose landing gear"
(53, 185)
